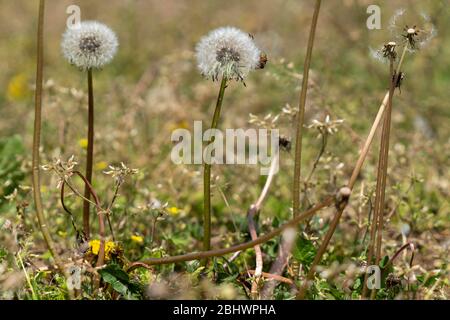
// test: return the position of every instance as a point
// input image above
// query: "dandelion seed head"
(416, 30)
(411, 31)
(227, 52)
(89, 45)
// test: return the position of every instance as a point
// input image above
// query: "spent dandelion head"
(63, 169)
(119, 173)
(89, 45)
(386, 53)
(414, 30)
(228, 52)
(326, 127)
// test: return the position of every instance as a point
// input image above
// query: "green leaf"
(383, 262)
(119, 280)
(304, 251)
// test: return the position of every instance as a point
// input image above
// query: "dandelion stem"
(350, 184)
(35, 163)
(90, 153)
(37, 138)
(378, 219)
(207, 173)
(301, 113)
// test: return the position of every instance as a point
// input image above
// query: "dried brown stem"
(275, 277)
(301, 112)
(243, 246)
(278, 266)
(351, 184)
(254, 210)
(409, 246)
(101, 222)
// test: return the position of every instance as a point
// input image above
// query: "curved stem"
(37, 138)
(207, 174)
(409, 246)
(301, 113)
(101, 222)
(243, 246)
(35, 164)
(254, 210)
(90, 153)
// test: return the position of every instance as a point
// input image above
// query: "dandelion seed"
(228, 52)
(90, 46)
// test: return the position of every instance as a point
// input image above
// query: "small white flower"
(89, 45)
(228, 52)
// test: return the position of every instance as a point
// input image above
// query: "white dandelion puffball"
(227, 52)
(89, 45)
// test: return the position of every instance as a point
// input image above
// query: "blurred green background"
(152, 87)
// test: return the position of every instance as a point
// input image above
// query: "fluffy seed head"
(89, 45)
(228, 52)
(414, 29)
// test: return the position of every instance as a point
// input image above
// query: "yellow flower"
(173, 211)
(110, 248)
(183, 124)
(18, 87)
(101, 165)
(83, 143)
(137, 239)
(62, 234)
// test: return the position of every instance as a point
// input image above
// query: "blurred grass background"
(153, 87)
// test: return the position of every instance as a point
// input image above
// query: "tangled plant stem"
(243, 246)
(207, 173)
(351, 184)
(254, 210)
(378, 218)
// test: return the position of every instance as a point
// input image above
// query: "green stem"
(207, 174)
(90, 154)
(301, 113)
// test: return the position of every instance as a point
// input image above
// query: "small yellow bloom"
(137, 239)
(62, 234)
(110, 248)
(83, 143)
(18, 87)
(173, 211)
(101, 165)
(183, 124)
